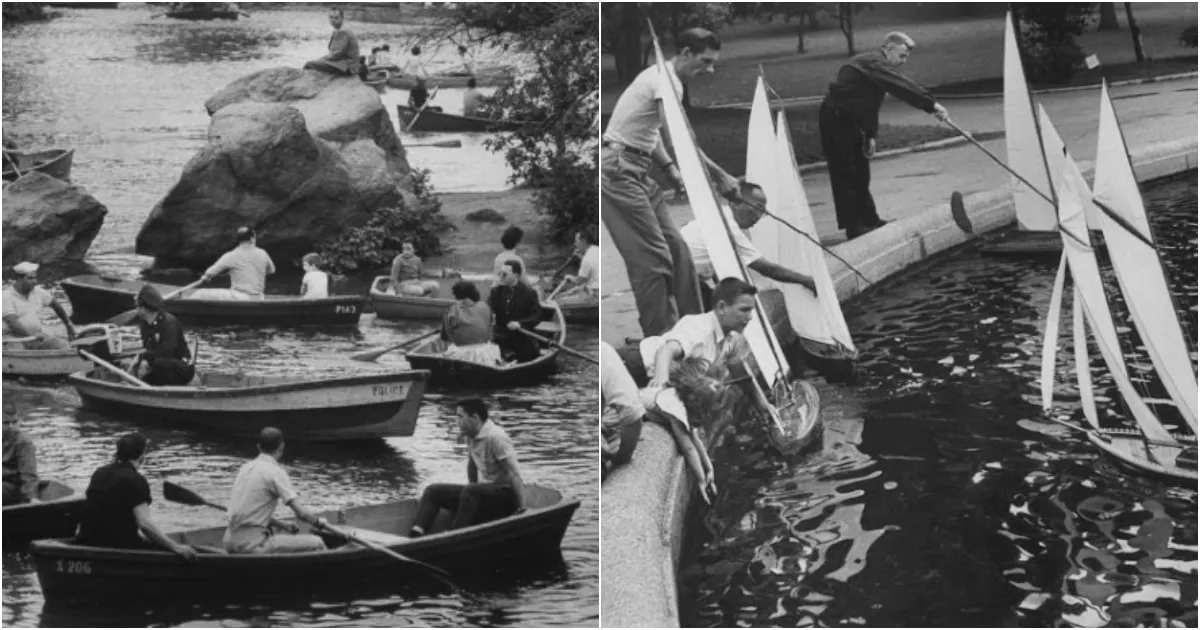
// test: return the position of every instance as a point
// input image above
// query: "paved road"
(906, 185)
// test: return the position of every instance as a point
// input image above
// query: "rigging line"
(771, 341)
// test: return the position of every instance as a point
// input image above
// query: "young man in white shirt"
(633, 207)
(587, 281)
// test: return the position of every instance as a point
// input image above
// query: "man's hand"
(809, 284)
(185, 552)
(726, 184)
(940, 112)
(870, 148)
(676, 178)
(513, 325)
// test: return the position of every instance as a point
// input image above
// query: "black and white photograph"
(898, 314)
(301, 314)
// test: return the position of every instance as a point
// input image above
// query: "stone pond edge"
(644, 503)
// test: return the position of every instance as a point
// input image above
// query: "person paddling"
(23, 304)
(248, 266)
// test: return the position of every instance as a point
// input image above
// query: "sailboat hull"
(1026, 243)
(834, 362)
(1131, 453)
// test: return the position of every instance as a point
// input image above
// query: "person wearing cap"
(20, 460)
(634, 209)
(849, 122)
(260, 487)
(165, 356)
(117, 510)
(248, 266)
(23, 304)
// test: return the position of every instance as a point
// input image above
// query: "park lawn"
(1113, 73)
(721, 133)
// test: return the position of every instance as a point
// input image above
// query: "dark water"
(127, 91)
(941, 498)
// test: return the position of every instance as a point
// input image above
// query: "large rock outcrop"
(47, 220)
(298, 154)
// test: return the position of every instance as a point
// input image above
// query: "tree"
(1135, 33)
(623, 25)
(768, 11)
(844, 13)
(1047, 38)
(556, 150)
(1108, 17)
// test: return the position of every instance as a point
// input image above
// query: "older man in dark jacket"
(516, 306)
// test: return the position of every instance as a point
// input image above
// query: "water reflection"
(941, 498)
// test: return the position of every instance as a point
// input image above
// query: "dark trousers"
(631, 356)
(513, 344)
(844, 144)
(169, 372)
(471, 504)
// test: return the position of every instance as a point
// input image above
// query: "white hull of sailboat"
(1132, 452)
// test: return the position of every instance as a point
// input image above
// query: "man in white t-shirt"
(23, 304)
(744, 211)
(632, 205)
(587, 281)
(248, 266)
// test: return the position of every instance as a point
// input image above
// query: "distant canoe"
(53, 162)
(55, 516)
(331, 408)
(377, 79)
(94, 298)
(67, 571)
(431, 121)
(452, 372)
(204, 13)
(485, 76)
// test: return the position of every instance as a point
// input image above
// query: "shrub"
(376, 243)
(1188, 37)
(1047, 37)
(571, 197)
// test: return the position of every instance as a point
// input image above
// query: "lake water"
(127, 91)
(941, 498)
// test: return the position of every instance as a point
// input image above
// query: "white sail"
(1089, 289)
(1056, 156)
(818, 318)
(1050, 339)
(1083, 368)
(761, 169)
(1023, 142)
(712, 220)
(1139, 270)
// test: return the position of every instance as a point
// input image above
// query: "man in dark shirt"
(166, 352)
(849, 120)
(515, 306)
(118, 504)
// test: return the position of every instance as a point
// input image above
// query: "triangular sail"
(761, 169)
(1083, 367)
(713, 226)
(1050, 339)
(1138, 267)
(1055, 151)
(1023, 142)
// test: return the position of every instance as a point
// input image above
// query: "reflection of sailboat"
(799, 424)
(1153, 448)
(793, 311)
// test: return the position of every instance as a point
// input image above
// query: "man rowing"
(165, 358)
(745, 210)
(20, 460)
(23, 304)
(516, 307)
(248, 266)
(261, 486)
(117, 510)
(585, 285)
(494, 486)
(343, 55)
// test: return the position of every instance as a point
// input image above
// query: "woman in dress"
(467, 327)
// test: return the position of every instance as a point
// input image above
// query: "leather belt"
(617, 146)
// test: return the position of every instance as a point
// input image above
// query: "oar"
(560, 286)
(182, 290)
(570, 260)
(428, 100)
(441, 144)
(372, 355)
(176, 493)
(125, 376)
(574, 353)
(18, 339)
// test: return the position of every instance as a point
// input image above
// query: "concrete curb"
(805, 100)
(645, 502)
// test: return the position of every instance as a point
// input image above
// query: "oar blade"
(178, 494)
(958, 211)
(370, 356)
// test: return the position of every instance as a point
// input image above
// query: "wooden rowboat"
(94, 298)
(581, 313)
(20, 362)
(56, 514)
(204, 11)
(340, 408)
(53, 162)
(388, 305)
(452, 372)
(430, 121)
(71, 572)
(485, 76)
(377, 79)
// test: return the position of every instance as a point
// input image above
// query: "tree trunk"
(1135, 32)
(1108, 17)
(846, 21)
(812, 19)
(800, 36)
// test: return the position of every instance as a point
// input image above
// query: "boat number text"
(388, 390)
(349, 309)
(77, 567)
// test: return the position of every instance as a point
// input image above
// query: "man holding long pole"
(633, 207)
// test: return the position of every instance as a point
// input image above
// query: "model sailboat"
(794, 407)
(1152, 448)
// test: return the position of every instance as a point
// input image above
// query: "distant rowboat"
(53, 162)
(431, 121)
(56, 514)
(485, 76)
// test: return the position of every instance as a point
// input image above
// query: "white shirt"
(694, 237)
(248, 267)
(316, 284)
(700, 336)
(618, 393)
(589, 268)
(635, 121)
(27, 308)
(261, 485)
(488, 449)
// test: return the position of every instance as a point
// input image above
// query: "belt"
(617, 146)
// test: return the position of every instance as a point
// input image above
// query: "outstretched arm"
(142, 514)
(62, 314)
(778, 272)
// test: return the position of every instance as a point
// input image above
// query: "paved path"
(906, 185)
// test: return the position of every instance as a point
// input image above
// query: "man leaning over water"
(633, 207)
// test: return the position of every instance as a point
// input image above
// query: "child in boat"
(407, 272)
(467, 327)
(316, 282)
